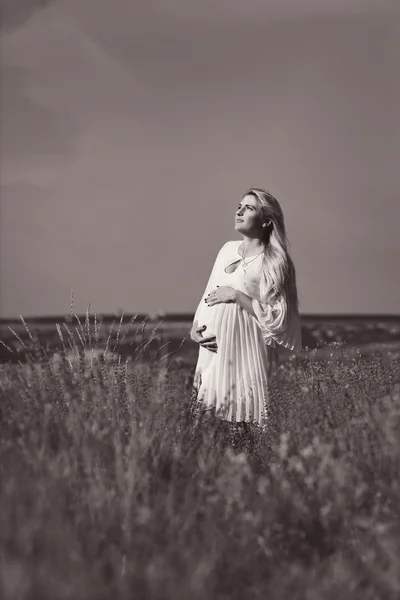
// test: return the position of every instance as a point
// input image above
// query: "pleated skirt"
(235, 381)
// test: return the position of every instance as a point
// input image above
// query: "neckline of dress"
(237, 251)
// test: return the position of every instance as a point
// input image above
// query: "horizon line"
(187, 316)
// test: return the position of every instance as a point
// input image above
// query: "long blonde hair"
(279, 280)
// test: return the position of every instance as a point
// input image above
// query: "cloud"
(57, 86)
(140, 126)
(27, 127)
(229, 12)
(15, 13)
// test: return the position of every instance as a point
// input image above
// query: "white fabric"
(235, 379)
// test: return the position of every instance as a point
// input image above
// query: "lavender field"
(115, 486)
(365, 333)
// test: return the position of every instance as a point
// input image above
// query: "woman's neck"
(251, 246)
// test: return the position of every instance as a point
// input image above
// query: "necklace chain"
(245, 265)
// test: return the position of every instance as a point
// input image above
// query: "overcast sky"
(129, 132)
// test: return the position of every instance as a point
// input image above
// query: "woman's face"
(248, 215)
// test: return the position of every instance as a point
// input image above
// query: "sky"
(130, 131)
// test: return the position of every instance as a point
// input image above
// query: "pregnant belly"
(219, 319)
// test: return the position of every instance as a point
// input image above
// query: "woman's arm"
(277, 325)
(271, 318)
(245, 302)
(226, 293)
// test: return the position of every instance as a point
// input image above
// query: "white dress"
(234, 380)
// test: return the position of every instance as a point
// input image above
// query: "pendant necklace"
(245, 265)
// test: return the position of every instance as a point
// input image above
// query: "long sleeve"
(278, 325)
(210, 284)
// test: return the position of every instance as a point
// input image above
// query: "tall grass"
(113, 486)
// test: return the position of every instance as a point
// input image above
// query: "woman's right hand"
(208, 342)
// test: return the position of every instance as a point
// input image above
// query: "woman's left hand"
(220, 295)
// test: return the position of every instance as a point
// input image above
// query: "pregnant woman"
(248, 311)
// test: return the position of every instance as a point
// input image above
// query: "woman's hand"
(221, 295)
(208, 342)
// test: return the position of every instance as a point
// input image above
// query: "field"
(367, 334)
(114, 486)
